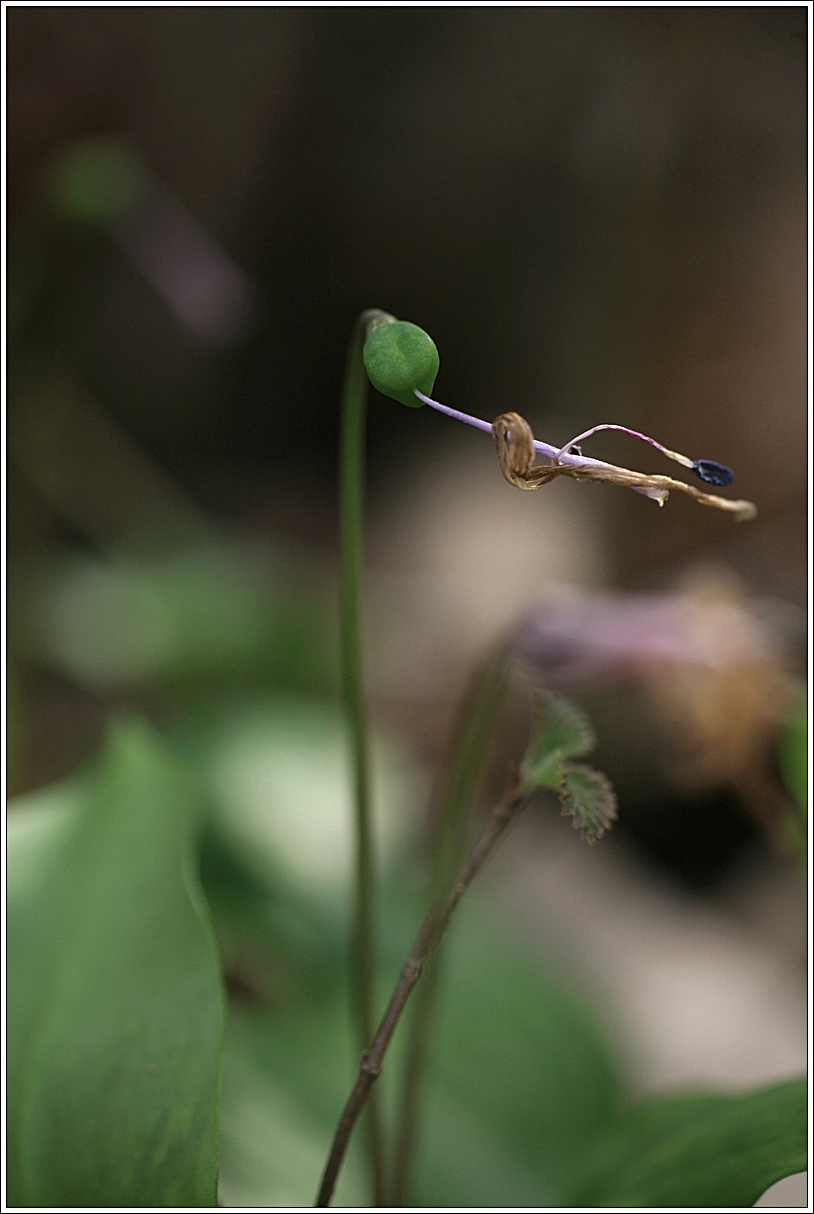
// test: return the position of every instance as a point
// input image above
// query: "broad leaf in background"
(698, 1150)
(792, 753)
(286, 1073)
(115, 1007)
(203, 616)
(521, 1078)
(562, 732)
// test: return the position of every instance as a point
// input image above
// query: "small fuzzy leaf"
(588, 797)
(561, 731)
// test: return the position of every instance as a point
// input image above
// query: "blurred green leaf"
(286, 1076)
(97, 178)
(631, 1134)
(280, 788)
(588, 799)
(521, 1078)
(561, 731)
(698, 1150)
(218, 612)
(792, 753)
(115, 1011)
(275, 942)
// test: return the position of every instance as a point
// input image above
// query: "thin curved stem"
(684, 460)
(463, 775)
(479, 424)
(426, 942)
(352, 470)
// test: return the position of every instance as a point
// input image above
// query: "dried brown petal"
(515, 450)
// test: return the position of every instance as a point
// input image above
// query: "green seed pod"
(400, 357)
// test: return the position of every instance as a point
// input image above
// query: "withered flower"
(713, 669)
(517, 447)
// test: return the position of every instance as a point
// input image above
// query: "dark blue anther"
(712, 473)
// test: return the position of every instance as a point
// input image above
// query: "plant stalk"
(351, 492)
(464, 771)
(426, 942)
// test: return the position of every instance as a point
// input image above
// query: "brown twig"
(428, 939)
(464, 769)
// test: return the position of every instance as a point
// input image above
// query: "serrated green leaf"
(115, 1009)
(698, 1150)
(588, 798)
(561, 731)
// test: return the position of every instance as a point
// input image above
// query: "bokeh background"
(599, 214)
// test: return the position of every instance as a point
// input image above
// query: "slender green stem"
(426, 942)
(464, 772)
(352, 472)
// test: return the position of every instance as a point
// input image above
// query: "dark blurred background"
(599, 213)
